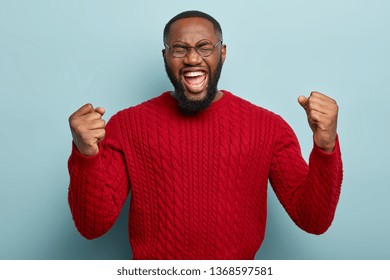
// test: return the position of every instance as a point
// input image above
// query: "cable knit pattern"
(199, 183)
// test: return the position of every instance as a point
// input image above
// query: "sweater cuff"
(82, 160)
(319, 153)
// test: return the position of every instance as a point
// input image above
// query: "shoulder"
(153, 105)
(254, 116)
(246, 107)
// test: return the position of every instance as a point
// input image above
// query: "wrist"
(328, 149)
(326, 146)
(86, 150)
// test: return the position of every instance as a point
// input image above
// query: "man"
(197, 160)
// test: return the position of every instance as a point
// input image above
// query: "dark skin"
(188, 32)
(88, 127)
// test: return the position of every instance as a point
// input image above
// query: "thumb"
(302, 100)
(100, 110)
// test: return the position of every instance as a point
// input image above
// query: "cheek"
(173, 65)
(213, 63)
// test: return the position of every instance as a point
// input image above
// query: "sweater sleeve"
(308, 192)
(98, 184)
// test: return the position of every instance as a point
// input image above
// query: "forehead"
(191, 30)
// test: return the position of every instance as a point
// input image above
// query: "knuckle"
(77, 126)
(73, 124)
(103, 132)
(72, 117)
(315, 94)
(95, 116)
(316, 116)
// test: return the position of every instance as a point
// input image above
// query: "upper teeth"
(194, 74)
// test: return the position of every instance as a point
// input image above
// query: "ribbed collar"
(223, 101)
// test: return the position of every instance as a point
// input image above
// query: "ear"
(164, 57)
(223, 53)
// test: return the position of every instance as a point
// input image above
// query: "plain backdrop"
(57, 55)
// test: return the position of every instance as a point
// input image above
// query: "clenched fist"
(88, 129)
(322, 114)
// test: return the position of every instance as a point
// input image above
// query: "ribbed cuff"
(82, 160)
(321, 155)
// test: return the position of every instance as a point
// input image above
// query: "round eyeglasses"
(204, 48)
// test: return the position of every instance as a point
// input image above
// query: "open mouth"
(195, 81)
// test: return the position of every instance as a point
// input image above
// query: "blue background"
(57, 55)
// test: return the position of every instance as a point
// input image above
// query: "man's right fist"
(88, 129)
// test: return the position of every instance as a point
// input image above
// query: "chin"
(196, 96)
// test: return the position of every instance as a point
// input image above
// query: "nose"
(192, 57)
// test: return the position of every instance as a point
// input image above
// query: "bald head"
(193, 14)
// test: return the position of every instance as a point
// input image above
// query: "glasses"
(204, 48)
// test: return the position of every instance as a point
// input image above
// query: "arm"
(310, 193)
(98, 179)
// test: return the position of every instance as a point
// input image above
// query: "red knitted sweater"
(199, 183)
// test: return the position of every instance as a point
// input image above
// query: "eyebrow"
(197, 43)
(179, 43)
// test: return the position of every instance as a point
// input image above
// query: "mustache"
(190, 107)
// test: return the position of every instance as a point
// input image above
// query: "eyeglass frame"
(196, 47)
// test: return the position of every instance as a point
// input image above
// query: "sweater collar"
(225, 99)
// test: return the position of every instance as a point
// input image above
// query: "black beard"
(188, 106)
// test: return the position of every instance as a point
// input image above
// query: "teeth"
(194, 74)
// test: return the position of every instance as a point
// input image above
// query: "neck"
(218, 96)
